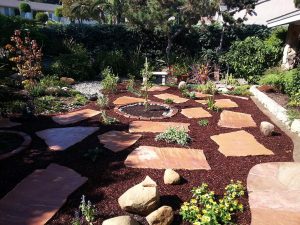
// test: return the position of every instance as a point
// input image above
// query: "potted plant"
(181, 71)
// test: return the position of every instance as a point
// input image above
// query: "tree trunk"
(170, 43)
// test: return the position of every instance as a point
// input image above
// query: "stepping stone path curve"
(274, 193)
(124, 100)
(239, 143)
(59, 139)
(6, 123)
(231, 119)
(154, 127)
(225, 103)
(197, 112)
(74, 117)
(167, 158)
(117, 141)
(39, 196)
(175, 98)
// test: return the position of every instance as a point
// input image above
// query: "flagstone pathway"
(203, 102)
(59, 139)
(117, 141)
(39, 196)
(239, 143)
(175, 98)
(231, 119)
(201, 95)
(158, 88)
(197, 113)
(74, 117)
(154, 127)
(167, 158)
(274, 193)
(225, 103)
(6, 123)
(124, 100)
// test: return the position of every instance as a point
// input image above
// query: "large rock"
(266, 128)
(120, 220)
(67, 80)
(162, 216)
(171, 177)
(182, 85)
(295, 127)
(141, 199)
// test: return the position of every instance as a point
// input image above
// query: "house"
(11, 8)
(273, 13)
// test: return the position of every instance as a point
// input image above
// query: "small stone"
(266, 128)
(120, 220)
(93, 97)
(295, 127)
(162, 216)
(67, 80)
(182, 85)
(171, 177)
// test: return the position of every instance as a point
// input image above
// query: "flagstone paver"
(274, 193)
(175, 98)
(201, 95)
(74, 117)
(203, 102)
(158, 88)
(124, 100)
(6, 123)
(167, 158)
(117, 141)
(197, 112)
(239, 143)
(225, 103)
(154, 127)
(231, 119)
(59, 139)
(236, 96)
(39, 196)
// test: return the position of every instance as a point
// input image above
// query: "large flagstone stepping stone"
(74, 117)
(231, 119)
(202, 101)
(117, 141)
(6, 123)
(154, 127)
(239, 143)
(175, 98)
(274, 193)
(197, 112)
(158, 88)
(59, 139)
(225, 103)
(167, 158)
(201, 95)
(39, 196)
(124, 100)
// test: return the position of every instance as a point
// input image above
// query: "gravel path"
(89, 88)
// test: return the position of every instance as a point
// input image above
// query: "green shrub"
(242, 90)
(294, 100)
(208, 88)
(169, 101)
(291, 81)
(47, 104)
(107, 120)
(24, 7)
(188, 94)
(41, 17)
(174, 135)
(80, 100)
(110, 81)
(274, 79)
(15, 106)
(293, 114)
(203, 123)
(211, 105)
(103, 102)
(205, 208)
(58, 12)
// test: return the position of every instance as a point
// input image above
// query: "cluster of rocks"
(144, 199)
(90, 89)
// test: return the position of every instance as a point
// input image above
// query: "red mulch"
(108, 178)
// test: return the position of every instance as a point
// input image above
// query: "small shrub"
(87, 210)
(41, 17)
(208, 88)
(80, 100)
(174, 135)
(293, 114)
(24, 7)
(242, 90)
(110, 81)
(131, 87)
(169, 101)
(188, 94)
(203, 123)
(211, 105)
(294, 100)
(291, 81)
(15, 106)
(107, 120)
(47, 104)
(103, 102)
(205, 208)
(274, 79)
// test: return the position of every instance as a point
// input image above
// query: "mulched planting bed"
(140, 110)
(109, 178)
(9, 142)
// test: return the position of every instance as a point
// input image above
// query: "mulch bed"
(9, 142)
(109, 179)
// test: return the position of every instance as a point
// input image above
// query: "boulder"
(182, 85)
(141, 199)
(171, 177)
(295, 127)
(120, 220)
(266, 128)
(162, 216)
(67, 80)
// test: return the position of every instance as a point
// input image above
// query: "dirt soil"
(108, 178)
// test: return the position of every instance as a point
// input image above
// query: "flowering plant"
(200, 73)
(205, 209)
(27, 55)
(179, 70)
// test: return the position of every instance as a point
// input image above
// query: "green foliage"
(174, 135)
(15, 106)
(146, 74)
(205, 208)
(208, 88)
(131, 86)
(88, 211)
(188, 94)
(107, 120)
(41, 17)
(94, 154)
(211, 104)
(293, 114)
(180, 69)
(242, 90)
(291, 80)
(24, 7)
(110, 81)
(58, 12)
(103, 102)
(80, 100)
(169, 101)
(274, 79)
(294, 100)
(47, 104)
(203, 123)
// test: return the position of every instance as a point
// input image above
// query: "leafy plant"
(206, 209)
(274, 79)
(146, 74)
(169, 101)
(293, 114)
(41, 17)
(294, 100)
(208, 88)
(188, 94)
(80, 99)
(24, 7)
(110, 81)
(94, 153)
(88, 211)
(203, 123)
(131, 87)
(211, 105)
(174, 135)
(107, 120)
(242, 90)
(179, 69)
(103, 101)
